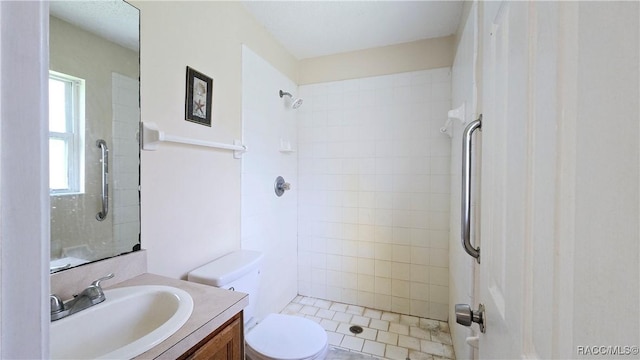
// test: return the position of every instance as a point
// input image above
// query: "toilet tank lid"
(226, 268)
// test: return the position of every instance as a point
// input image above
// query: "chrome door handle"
(465, 316)
(104, 151)
(466, 189)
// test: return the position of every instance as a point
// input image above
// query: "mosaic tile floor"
(384, 334)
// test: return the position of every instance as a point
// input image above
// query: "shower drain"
(356, 329)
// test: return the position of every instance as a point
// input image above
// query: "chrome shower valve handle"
(280, 186)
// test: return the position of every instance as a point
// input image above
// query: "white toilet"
(277, 336)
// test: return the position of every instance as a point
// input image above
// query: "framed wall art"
(199, 98)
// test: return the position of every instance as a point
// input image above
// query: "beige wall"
(393, 59)
(79, 53)
(191, 196)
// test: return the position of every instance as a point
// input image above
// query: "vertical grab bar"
(466, 189)
(104, 150)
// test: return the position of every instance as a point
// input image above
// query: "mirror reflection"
(94, 116)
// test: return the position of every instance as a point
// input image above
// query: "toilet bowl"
(276, 336)
(280, 336)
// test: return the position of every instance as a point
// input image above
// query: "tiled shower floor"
(385, 335)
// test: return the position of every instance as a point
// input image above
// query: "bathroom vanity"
(224, 343)
(214, 330)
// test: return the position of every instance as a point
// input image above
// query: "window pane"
(58, 165)
(57, 105)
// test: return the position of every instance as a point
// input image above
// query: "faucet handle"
(94, 291)
(57, 305)
(97, 282)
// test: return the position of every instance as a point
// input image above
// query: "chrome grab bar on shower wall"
(466, 189)
(104, 150)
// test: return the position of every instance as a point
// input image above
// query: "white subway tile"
(439, 239)
(365, 231)
(350, 85)
(439, 257)
(366, 249)
(439, 276)
(400, 271)
(382, 302)
(382, 285)
(401, 253)
(438, 220)
(419, 291)
(383, 217)
(366, 266)
(383, 251)
(366, 283)
(355, 222)
(438, 311)
(383, 200)
(318, 276)
(401, 236)
(400, 305)
(439, 294)
(304, 287)
(383, 234)
(421, 77)
(419, 255)
(350, 281)
(441, 91)
(349, 264)
(440, 74)
(318, 290)
(420, 274)
(350, 231)
(420, 308)
(334, 262)
(319, 260)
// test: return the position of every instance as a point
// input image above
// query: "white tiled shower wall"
(126, 163)
(374, 179)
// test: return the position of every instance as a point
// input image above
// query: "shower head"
(295, 102)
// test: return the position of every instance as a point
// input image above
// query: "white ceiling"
(316, 28)
(305, 28)
(115, 20)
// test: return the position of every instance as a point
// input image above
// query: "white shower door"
(560, 167)
(518, 150)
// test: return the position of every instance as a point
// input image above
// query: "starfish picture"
(199, 97)
(199, 107)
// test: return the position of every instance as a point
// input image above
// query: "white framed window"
(66, 134)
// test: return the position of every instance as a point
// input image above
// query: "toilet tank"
(238, 271)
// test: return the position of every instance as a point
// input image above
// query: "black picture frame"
(199, 97)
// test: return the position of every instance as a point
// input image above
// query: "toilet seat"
(286, 337)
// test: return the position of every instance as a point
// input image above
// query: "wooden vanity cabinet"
(226, 343)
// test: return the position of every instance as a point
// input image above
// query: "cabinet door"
(227, 343)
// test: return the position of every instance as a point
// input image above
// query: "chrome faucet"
(90, 296)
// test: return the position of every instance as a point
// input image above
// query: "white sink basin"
(129, 322)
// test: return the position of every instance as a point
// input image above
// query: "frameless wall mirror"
(94, 115)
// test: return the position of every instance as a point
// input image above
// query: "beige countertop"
(212, 307)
